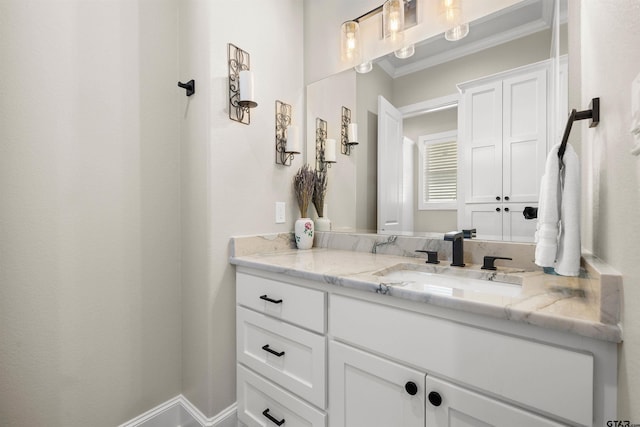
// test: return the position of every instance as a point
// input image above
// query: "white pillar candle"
(293, 140)
(352, 133)
(330, 150)
(246, 87)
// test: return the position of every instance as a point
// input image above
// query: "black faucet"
(432, 256)
(458, 248)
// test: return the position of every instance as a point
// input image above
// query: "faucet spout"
(458, 247)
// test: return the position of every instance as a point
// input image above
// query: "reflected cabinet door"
(369, 391)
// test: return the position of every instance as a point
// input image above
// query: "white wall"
(89, 216)
(610, 59)
(230, 179)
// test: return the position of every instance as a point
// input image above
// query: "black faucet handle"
(489, 260)
(432, 256)
(469, 234)
(453, 235)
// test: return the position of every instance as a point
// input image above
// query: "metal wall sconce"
(348, 133)
(287, 136)
(325, 148)
(241, 96)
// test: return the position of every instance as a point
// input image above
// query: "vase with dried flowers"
(320, 190)
(303, 186)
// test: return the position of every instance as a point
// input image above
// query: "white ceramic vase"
(323, 224)
(304, 233)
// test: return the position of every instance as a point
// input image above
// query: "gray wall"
(90, 211)
(230, 181)
(611, 183)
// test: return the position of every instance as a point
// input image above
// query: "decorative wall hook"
(348, 132)
(190, 86)
(325, 148)
(287, 137)
(241, 97)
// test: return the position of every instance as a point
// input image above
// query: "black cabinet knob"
(411, 388)
(498, 198)
(497, 209)
(506, 198)
(434, 398)
(506, 209)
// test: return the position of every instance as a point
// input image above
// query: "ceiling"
(522, 19)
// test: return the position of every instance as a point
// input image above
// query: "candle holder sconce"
(321, 139)
(239, 108)
(284, 154)
(348, 139)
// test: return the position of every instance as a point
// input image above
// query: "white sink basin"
(445, 284)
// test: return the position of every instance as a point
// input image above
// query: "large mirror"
(426, 91)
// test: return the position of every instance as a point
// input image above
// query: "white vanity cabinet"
(366, 390)
(281, 353)
(503, 138)
(364, 359)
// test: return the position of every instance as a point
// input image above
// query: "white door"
(369, 391)
(451, 406)
(524, 136)
(486, 218)
(515, 227)
(390, 167)
(481, 124)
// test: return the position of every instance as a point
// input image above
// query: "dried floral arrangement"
(303, 186)
(320, 190)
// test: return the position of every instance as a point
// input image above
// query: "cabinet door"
(481, 122)
(524, 135)
(453, 406)
(486, 218)
(515, 227)
(369, 391)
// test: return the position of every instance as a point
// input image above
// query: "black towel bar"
(592, 113)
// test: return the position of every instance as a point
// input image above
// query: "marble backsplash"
(474, 250)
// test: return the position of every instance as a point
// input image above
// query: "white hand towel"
(568, 257)
(558, 231)
(548, 212)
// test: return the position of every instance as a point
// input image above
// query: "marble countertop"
(588, 305)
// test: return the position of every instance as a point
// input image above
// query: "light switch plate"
(280, 212)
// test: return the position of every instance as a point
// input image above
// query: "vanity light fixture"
(405, 52)
(287, 135)
(325, 148)
(393, 25)
(450, 12)
(241, 87)
(348, 132)
(364, 67)
(456, 33)
(393, 20)
(350, 41)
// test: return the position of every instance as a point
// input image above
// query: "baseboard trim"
(225, 418)
(180, 412)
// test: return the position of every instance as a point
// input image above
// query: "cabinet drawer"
(289, 356)
(551, 379)
(261, 403)
(291, 303)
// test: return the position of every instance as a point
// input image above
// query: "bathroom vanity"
(330, 337)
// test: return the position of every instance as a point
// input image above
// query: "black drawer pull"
(266, 348)
(275, 301)
(270, 418)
